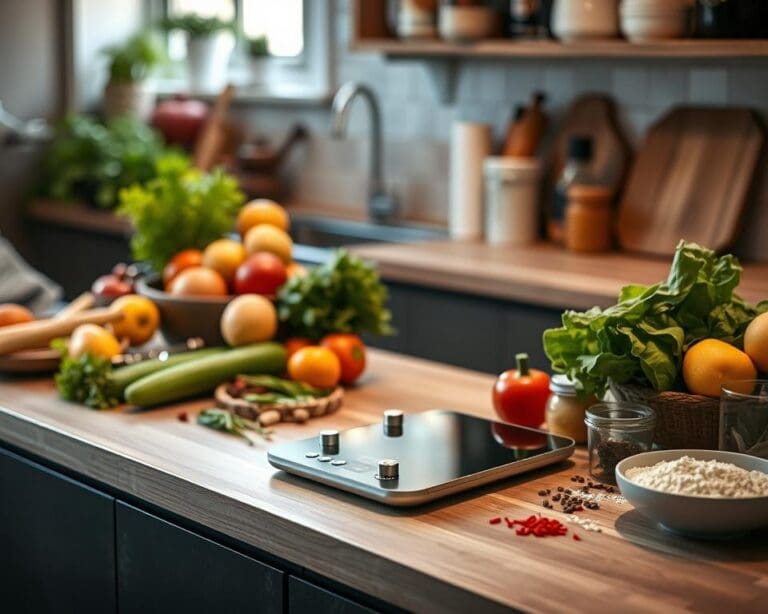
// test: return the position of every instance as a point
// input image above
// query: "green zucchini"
(201, 376)
(124, 376)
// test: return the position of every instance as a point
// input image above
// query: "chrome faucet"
(381, 206)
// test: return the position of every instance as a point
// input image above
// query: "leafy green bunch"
(92, 162)
(642, 339)
(343, 295)
(134, 60)
(86, 380)
(180, 208)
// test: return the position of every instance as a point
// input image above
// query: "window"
(298, 41)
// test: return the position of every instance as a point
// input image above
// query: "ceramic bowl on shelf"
(695, 516)
(652, 20)
(183, 317)
(583, 20)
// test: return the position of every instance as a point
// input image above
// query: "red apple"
(262, 273)
(109, 287)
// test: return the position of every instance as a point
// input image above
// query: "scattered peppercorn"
(576, 537)
(542, 493)
(183, 417)
(496, 520)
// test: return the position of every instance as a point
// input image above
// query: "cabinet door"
(306, 598)
(523, 330)
(56, 542)
(164, 568)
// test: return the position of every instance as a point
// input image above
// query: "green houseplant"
(210, 42)
(130, 65)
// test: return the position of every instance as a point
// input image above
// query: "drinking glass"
(744, 417)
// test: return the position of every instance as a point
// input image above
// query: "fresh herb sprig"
(227, 422)
(86, 380)
(343, 295)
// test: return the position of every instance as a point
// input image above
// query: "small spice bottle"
(616, 431)
(566, 411)
(589, 219)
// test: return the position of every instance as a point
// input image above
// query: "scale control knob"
(388, 470)
(393, 418)
(329, 441)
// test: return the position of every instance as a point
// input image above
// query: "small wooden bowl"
(252, 411)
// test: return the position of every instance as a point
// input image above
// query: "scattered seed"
(268, 418)
(496, 520)
(542, 493)
(183, 417)
(576, 537)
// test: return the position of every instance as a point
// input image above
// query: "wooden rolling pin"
(35, 334)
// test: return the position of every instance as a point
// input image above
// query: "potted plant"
(258, 50)
(127, 91)
(210, 42)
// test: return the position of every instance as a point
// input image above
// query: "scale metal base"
(413, 459)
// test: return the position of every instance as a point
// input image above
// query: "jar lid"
(505, 167)
(621, 415)
(563, 385)
(592, 194)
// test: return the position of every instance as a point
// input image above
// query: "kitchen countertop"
(444, 556)
(541, 274)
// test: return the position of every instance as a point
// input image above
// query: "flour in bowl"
(688, 476)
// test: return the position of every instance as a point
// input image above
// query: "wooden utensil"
(594, 116)
(690, 180)
(35, 334)
(85, 301)
(211, 142)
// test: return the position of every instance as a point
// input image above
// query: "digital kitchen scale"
(415, 458)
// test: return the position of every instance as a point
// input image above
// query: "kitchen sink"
(334, 232)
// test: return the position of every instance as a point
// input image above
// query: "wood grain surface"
(690, 180)
(442, 557)
(539, 274)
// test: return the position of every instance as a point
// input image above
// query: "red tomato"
(520, 395)
(294, 344)
(183, 260)
(350, 351)
(263, 273)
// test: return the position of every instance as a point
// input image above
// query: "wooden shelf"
(620, 49)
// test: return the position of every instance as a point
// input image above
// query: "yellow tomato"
(316, 366)
(94, 340)
(140, 319)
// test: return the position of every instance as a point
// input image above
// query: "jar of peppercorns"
(616, 431)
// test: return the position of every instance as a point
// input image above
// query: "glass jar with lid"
(566, 410)
(616, 431)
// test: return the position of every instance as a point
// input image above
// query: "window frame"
(303, 79)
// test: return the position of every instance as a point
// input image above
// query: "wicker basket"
(682, 420)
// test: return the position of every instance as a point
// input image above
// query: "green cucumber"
(122, 377)
(201, 376)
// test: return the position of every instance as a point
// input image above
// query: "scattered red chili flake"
(183, 417)
(576, 537)
(496, 520)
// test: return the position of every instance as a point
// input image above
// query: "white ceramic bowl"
(577, 20)
(706, 517)
(640, 26)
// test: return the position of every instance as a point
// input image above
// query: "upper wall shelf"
(619, 49)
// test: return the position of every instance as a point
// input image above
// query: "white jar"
(577, 20)
(512, 214)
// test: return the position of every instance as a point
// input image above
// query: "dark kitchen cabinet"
(306, 598)
(56, 542)
(464, 330)
(164, 568)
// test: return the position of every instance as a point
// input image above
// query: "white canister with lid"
(512, 215)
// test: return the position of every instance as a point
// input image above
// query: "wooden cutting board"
(690, 180)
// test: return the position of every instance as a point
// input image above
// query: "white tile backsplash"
(417, 125)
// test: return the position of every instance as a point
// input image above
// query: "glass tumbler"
(616, 431)
(744, 417)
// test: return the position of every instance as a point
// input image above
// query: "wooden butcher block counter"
(441, 557)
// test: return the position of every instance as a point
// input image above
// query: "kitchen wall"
(417, 126)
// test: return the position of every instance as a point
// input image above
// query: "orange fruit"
(316, 366)
(266, 238)
(711, 362)
(94, 340)
(262, 211)
(756, 341)
(295, 270)
(183, 260)
(224, 256)
(249, 318)
(198, 281)
(11, 313)
(140, 319)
